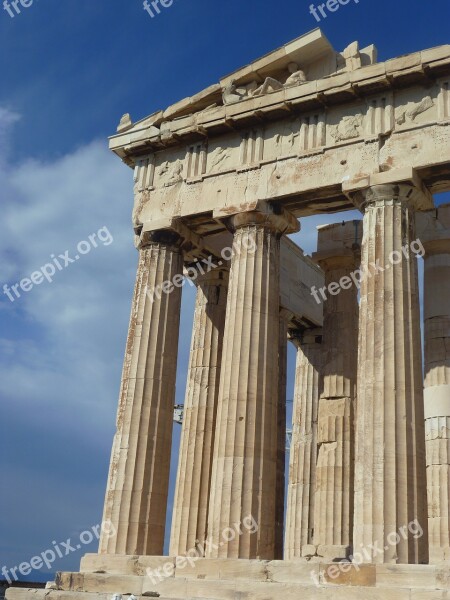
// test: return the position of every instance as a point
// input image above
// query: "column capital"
(175, 232)
(269, 216)
(306, 337)
(437, 246)
(336, 259)
(165, 237)
(402, 184)
(384, 193)
(286, 314)
(433, 230)
(217, 276)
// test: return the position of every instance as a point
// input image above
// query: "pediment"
(308, 58)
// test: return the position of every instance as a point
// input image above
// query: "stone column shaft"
(281, 440)
(437, 394)
(138, 481)
(190, 513)
(244, 477)
(390, 444)
(302, 462)
(333, 531)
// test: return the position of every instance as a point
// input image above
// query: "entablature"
(304, 144)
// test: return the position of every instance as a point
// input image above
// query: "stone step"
(282, 571)
(220, 579)
(256, 571)
(122, 564)
(253, 591)
(14, 593)
(230, 589)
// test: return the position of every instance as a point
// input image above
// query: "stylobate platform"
(237, 579)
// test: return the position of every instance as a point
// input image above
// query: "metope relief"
(350, 127)
(416, 107)
(223, 154)
(169, 172)
(284, 140)
(296, 137)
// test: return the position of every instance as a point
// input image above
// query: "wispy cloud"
(60, 358)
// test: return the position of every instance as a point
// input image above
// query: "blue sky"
(69, 70)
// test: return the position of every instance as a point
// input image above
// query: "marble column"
(302, 462)
(244, 475)
(190, 513)
(437, 393)
(390, 475)
(281, 439)
(137, 489)
(333, 531)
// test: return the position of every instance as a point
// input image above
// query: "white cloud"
(7, 119)
(62, 344)
(67, 341)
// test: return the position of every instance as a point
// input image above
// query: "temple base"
(239, 579)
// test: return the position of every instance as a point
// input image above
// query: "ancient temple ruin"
(304, 130)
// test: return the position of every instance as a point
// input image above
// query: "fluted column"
(302, 462)
(390, 477)
(437, 393)
(333, 531)
(190, 513)
(245, 452)
(281, 439)
(138, 481)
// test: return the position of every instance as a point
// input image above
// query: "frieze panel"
(282, 139)
(296, 137)
(415, 107)
(170, 168)
(223, 154)
(348, 128)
